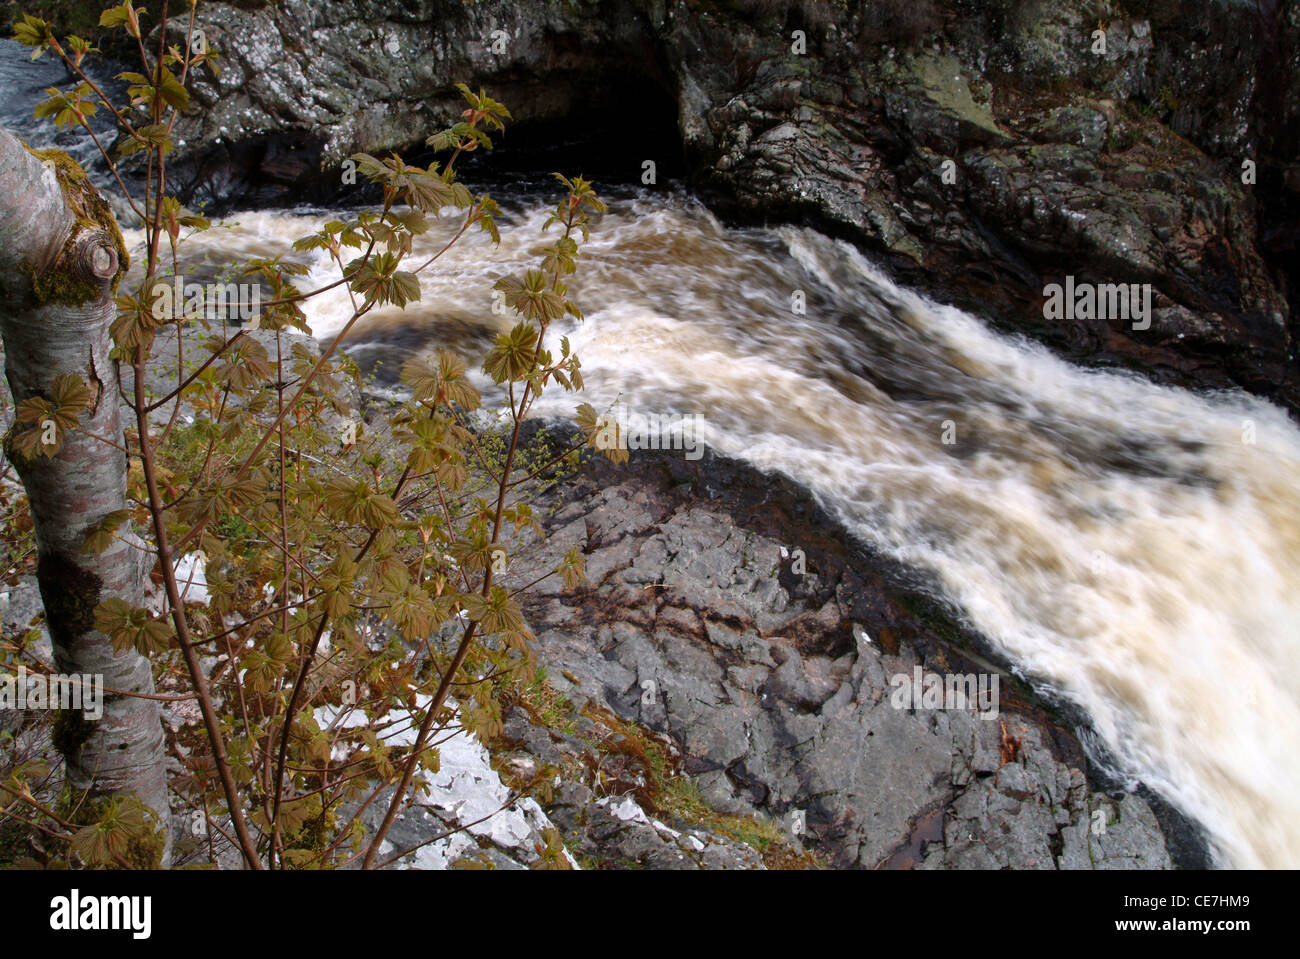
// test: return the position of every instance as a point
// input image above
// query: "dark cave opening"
(606, 127)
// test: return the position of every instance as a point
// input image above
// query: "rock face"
(987, 148)
(599, 801)
(779, 685)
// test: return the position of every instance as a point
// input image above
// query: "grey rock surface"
(781, 700)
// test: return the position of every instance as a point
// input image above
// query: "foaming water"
(25, 82)
(1130, 546)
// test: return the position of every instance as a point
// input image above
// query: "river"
(1133, 548)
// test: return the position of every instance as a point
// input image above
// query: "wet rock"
(982, 155)
(786, 710)
(1112, 835)
(619, 831)
(1075, 125)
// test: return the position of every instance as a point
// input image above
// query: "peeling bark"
(41, 233)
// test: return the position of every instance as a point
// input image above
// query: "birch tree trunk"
(60, 257)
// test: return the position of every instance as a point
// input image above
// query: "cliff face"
(986, 148)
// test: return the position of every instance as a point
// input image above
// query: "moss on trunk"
(59, 283)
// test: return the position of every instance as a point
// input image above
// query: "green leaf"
(574, 568)
(532, 297)
(602, 433)
(115, 16)
(497, 613)
(353, 501)
(33, 32)
(152, 135)
(379, 280)
(122, 15)
(102, 534)
(440, 377)
(512, 356)
(132, 628)
(405, 287)
(280, 648)
(172, 90)
(67, 109)
(421, 189)
(260, 671)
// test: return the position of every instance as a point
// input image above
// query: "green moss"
(70, 608)
(76, 807)
(146, 853)
(91, 212)
(71, 730)
(60, 286)
(315, 834)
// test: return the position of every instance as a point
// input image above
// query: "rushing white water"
(1133, 547)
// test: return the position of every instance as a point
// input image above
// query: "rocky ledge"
(986, 148)
(720, 695)
(726, 612)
